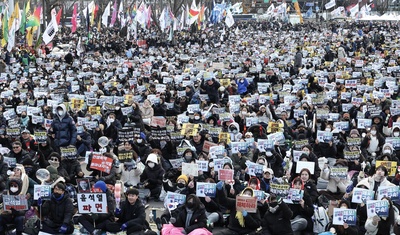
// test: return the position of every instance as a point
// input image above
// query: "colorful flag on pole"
(114, 14)
(34, 20)
(193, 13)
(74, 18)
(298, 11)
(58, 17)
(4, 40)
(106, 14)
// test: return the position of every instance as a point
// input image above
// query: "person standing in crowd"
(63, 128)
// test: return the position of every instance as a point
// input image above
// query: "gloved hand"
(183, 232)
(117, 211)
(102, 179)
(220, 185)
(349, 188)
(124, 227)
(40, 201)
(244, 213)
(172, 220)
(63, 229)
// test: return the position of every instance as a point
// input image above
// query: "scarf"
(240, 218)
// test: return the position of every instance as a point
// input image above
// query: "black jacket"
(198, 220)
(64, 130)
(307, 212)
(153, 176)
(278, 222)
(59, 211)
(134, 215)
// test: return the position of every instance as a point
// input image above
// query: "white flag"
(11, 37)
(51, 30)
(330, 4)
(162, 21)
(229, 21)
(91, 7)
(106, 14)
(354, 10)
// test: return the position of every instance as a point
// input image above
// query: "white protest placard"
(339, 172)
(305, 165)
(362, 195)
(202, 165)
(297, 154)
(174, 198)
(246, 203)
(219, 163)
(364, 123)
(377, 207)
(190, 169)
(294, 196)
(206, 189)
(388, 191)
(324, 136)
(255, 169)
(92, 203)
(341, 216)
(41, 191)
(17, 202)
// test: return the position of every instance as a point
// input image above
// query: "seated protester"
(44, 151)
(54, 161)
(262, 206)
(13, 216)
(3, 173)
(130, 172)
(108, 178)
(232, 188)
(152, 176)
(213, 210)
(383, 225)
(240, 222)
(312, 157)
(327, 150)
(58, 212)
(377, 180)
(272, 159)
(30, 169)
(28, 142)
(83, 140)
(54, 177)
(28, 184)
(181, 185)
(141, 147)
(305, 158)
(18, 153)
(371, 143)
(131, 217)
(301, 221)
(336, 186)
(344, 229)
(112, 127)
(73, 168)
(309, 185)
(268, 179)
(389, 150)
(189, 156)
(96, 222)
(187, 218)
(277, 219)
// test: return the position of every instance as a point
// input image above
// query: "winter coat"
(371, 182)
(64, 129)
(334, 184)
(307, 212)
(212, 91)
(198, 220)
(59, 211)
(278, 222)
(72, 166)
(133, 215)
(153, 176)
(21, 156)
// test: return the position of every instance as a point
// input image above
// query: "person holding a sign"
(58, 212)
(63, 128)
(152, 175)
(240, 221)
(13, 216)
(344, 229)
(378, 179)
(18, 153)
(372, 142)
(303, 211)
(337, 177)
(28, 143)
(83, 140)
(383, 224)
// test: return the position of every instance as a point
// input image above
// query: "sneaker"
(97, 232)
(159, 224)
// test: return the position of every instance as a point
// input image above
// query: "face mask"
(54, 163)
(180, 185)
(56, 195)
(306, 153)
(189, 205)
(14, 189)
(269, 154)
(196, 117)
(244, 113)
(139, 141)
(334, 100)
(188, 158)
(328, 129)
(117, 108)
(60, 113)
(111, 120)
(384, 151)
(151, 164)
(23, 116)
(396, 134)
(373, 132)
(343, 207)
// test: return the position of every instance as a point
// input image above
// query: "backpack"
(320, 219)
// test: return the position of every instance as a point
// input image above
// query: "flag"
(5, 29)
(10, 9)
(23, 20)
(14, 17)
(162, 20)
(106, 14)
(94, 13)
(89, 9)
(11, 36)
(29, 35)
(229, 21)
(87, 19)
(270, 9)
(51, 30)
(354, 10)
(309, 12)
(34, 20)
(114, 14)
(200, 19)
(141, 15)
(58, 17)
(148, 17)
(74, 21)
(297, 8)
(330, 4)
(134, 10)
(193, 13)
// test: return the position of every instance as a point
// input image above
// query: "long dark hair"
(384, 226)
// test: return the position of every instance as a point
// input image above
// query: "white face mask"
(139, 141)
(244, 112)
(196, 117)
(111, 119)
(386, 151)
(151, 164)
(60, 112)
(334, 100)
(373, 132)
(14, 189)
(396, 134)
(328, 129)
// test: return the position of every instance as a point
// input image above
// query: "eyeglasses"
(15, 147)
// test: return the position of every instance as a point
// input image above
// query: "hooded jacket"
(133, 215)
(59, 211)
(64, 129)
(198, 219)
(153, 175)
(277, 222)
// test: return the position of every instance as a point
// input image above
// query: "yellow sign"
(390, 166)
(274, 127)
(94, 110)
(77, 103)
(128, 99)
(189, 129)
(225, 136)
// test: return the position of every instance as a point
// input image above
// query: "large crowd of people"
(302, 117)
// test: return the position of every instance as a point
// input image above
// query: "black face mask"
(189, 205)
(181, 185)
(56, 195)
(23, 116)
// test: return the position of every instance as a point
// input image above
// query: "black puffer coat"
(64, 129)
